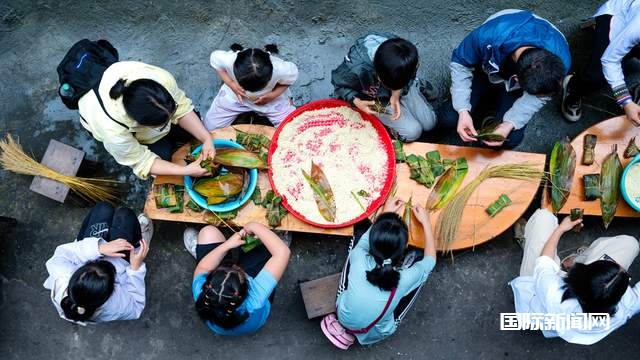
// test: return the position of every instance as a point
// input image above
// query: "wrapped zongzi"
(609, 181)
(561, 168)
(588, 149)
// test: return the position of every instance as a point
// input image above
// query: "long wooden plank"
(616, 130)
(477, 227)
(249, 212)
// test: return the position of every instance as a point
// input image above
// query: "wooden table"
(477, 227)
(616, 130)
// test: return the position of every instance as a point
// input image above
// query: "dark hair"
(396, 63)
(253, 67)
(89, 287)
(146, 101)
(222, 293)
(387, 240)
(539, 71)
(598, 286)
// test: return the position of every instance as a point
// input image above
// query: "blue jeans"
(484, 92)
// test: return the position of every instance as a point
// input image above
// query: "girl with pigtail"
(253, 80)
(233, 293)
(381, 278)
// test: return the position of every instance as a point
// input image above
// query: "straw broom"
(14, 159)
(449, 220)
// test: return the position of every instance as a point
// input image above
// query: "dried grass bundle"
(14, 159)
(449, 220)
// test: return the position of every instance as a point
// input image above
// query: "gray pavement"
(457, 316)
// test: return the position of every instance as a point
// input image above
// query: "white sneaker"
(146, 227)
(190, 239)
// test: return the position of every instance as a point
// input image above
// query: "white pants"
(226, 107)
(623, 249)
(416, 116)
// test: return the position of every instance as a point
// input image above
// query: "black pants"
(483, 92)
(591, 77)
(251, 262)
(108, 223)
(166, 146)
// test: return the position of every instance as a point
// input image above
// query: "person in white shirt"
(596, 283)
(100, 276)
(616, 39)
(254, 80)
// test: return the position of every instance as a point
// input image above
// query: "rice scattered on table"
(347, 148)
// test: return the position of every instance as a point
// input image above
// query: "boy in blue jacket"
(377, 77)
(515, 55)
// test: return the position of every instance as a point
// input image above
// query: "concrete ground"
(457, 316)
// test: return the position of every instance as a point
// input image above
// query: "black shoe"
(571, 104)
(427, 90)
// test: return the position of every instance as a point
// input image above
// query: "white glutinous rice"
(347, 148)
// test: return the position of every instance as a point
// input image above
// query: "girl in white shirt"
(596, 283)
(100, 277)
(254, 80)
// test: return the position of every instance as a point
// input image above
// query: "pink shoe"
(336, 333)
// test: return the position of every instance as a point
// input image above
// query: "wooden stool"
(319, 295)
(62, 158)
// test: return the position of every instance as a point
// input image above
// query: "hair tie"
(80, 310)
(386, 262)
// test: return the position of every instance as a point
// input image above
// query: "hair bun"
(271, 48)
(237, 47)
(117, 89)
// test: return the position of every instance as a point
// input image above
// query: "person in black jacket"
(377, 77)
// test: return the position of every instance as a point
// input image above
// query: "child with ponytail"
(381, 278)
(254, 80)
(100, 276)
(233, 289)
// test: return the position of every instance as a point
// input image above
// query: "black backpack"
(81, 69)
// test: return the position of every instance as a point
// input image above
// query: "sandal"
(336, 333)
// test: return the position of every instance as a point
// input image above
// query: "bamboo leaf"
(609, 180)
(448, 184)
(561, 168)
(322, 192)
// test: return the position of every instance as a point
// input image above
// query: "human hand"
(422, 215)
(137, 256)
(194, 169)
(465, 126)
(237, 239)
(393, 204)
(632, 110)
(239, 91)
(503, 129)
(208, 150)
(567, 224)
(114, 248)
(365, 106)
(394, 103)
(265, 99)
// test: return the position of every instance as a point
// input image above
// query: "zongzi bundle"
(588, 149)
(591, 186)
